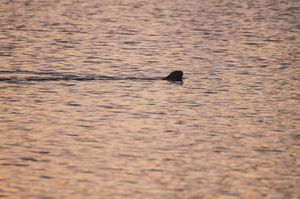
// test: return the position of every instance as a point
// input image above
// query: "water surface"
(231, 130)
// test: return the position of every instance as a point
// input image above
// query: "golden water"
(231, 130)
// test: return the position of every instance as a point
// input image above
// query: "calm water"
(231, 130)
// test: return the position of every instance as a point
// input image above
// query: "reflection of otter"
(174, 76)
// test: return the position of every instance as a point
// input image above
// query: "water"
(230, 130)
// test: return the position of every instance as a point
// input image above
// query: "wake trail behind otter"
(42, 76)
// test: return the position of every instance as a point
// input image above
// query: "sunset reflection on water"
(230, 130)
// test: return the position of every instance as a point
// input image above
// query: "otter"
(174, 76)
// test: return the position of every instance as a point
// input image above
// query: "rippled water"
(230, 130)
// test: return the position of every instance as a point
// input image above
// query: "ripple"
(230, 131)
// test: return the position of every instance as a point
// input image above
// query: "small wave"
(29, 72)
(44, 76)
(62, 78)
